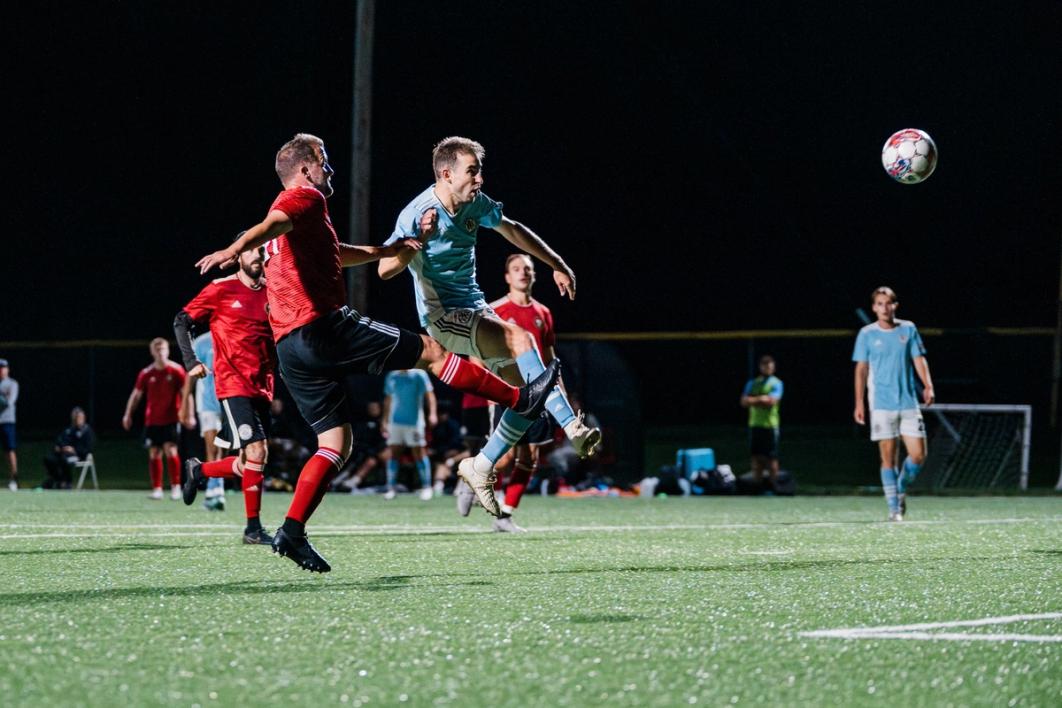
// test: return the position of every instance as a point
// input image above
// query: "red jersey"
(535, 318)
(243, 342)
(162, 388)
(305, 275)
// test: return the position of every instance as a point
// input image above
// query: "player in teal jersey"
(446, 218)
(204, 404)
(888, 353)
(403, 424)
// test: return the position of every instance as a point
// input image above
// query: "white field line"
(916, 631)
(384, 528)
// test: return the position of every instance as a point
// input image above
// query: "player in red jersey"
(162, 383)
(235, 309)
(519, 308)
(320, 341)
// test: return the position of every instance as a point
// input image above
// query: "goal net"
(976, 446)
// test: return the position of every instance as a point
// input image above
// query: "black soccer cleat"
(193, 475)
(257, 537)
(533, 395)
(300, 551)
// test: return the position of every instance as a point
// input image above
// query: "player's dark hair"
(299, 150)
(444, 155)
(884, 290)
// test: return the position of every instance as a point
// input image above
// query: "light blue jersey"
(444, 271)
(891, 354)
(407, 390)
(205, 398)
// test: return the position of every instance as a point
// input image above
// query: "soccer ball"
(909, 156)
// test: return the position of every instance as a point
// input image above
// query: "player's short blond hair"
(157, 341)
(444, 155)
(296, 152)
(514, 256)
(884, 290)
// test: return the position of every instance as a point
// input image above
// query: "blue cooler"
(693, 459)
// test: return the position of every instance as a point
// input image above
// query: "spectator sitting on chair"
(72, 446)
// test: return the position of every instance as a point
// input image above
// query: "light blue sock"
(530, 365)
(908, 476)
(508, 432)
(424, 467)
(392, 472)
(215, 487)
(888, 481)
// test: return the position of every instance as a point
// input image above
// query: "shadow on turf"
(387, 582)
(109, 549)
(603, 619)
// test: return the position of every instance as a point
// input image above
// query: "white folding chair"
(87, 465)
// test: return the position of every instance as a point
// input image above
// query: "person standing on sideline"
(888, 353)
(403, 424)
(8, 439)
(450, 303)
(763, 398)
(161, 382)
(321, 341)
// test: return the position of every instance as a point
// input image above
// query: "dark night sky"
(700, 166)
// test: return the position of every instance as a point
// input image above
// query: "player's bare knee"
(258, 450)
(433, 352)
(917, 456)
(519, 339)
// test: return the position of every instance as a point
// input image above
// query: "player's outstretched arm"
(351, 255)
(275, 224)
(393, 264)
(527, 240)
(921, 365)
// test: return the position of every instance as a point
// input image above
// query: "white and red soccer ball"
(909, 156)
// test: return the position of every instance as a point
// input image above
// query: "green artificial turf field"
(110, 598)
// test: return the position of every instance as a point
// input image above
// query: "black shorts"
(317, 357)
(540, 432)
(158, 435)
(764, 442)
(244, 420)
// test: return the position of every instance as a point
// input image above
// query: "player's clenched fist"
(429, 220)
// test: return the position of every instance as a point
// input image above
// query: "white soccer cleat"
(12, 485)
(156, 493)
(482, 484)
(425, 494)
(506, 525)
(585, 440)
(390, 494)
(895, 516)
(175, 492)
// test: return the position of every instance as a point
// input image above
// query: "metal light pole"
(361, 150)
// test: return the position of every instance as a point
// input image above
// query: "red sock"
(472, 378)
(518, 484)
(313, 481)
(252, 487)
(175, 470)
(155, 472)
(225, 467)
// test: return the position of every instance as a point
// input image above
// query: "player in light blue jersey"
(888, 353)
(405, 393)
(446, 218)
(208, 409)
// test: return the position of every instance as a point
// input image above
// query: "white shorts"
(406, 435)
(209, 420)
(457, 330)
(887, 425)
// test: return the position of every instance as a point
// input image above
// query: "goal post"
(977, 446)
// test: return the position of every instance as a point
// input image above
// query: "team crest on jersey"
(903, 339)
(464, 316)
(470, 225)
(538, 323)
